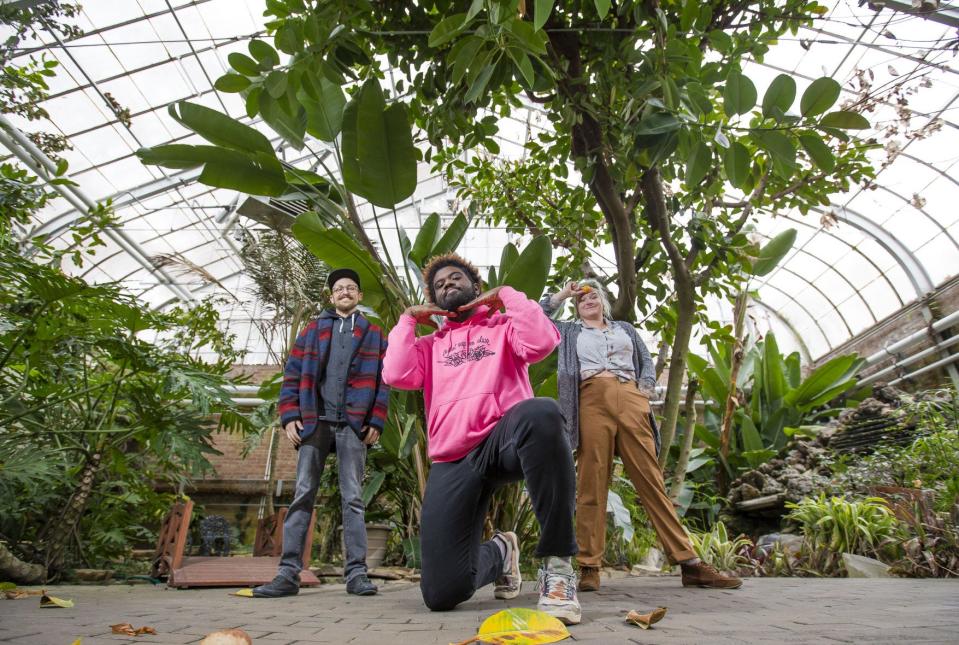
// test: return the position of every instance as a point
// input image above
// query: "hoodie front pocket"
(465, 417)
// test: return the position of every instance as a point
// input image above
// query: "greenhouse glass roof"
(854, 263)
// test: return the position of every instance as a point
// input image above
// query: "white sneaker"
(557, 596)
(507, 585)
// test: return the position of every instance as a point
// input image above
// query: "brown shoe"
(588, 578)
(706, 575)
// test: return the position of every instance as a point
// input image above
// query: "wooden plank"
(234, 571)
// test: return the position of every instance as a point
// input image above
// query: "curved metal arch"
(823, 231)
(802, 307)
(935, 222)
(803, 348)
(910, 264)
(830, 268)
(825, 297)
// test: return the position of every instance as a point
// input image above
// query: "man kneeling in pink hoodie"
(485, 429)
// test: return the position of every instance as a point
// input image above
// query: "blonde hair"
(600, 290)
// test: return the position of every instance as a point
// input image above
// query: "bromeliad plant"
(716, 548)
(777, 400)
(834, 525)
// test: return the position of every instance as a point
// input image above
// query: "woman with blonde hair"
(606, 378)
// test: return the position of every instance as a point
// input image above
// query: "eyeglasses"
(352, 288)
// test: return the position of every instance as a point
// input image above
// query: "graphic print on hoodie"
(471, 372)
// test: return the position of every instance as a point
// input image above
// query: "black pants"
(527, 443)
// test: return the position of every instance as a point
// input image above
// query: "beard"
(456, 299)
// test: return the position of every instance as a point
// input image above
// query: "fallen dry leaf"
(646, 620)
(53, 601)
(243, 593)
(17, 594)
(129, 630)
(227, 637)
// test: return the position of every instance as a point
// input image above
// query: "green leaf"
(290, 127)
(523, 64)
(818, 151)
(844, 120)
(532, 40)
(779, 95)
(822, 379)
(289, 39)
(253, 101)
(452, 237)
(232, 83)
(780, 148)
(736, 161)
(446, 29)
(773, 375)
(256, 175)
(243, 64)
(657, 123)
(379, 160)
(819, 96)
(479, 83)
(602, 8)
(372, 486)
(507, 258)
(698, 100)
(218, 128)
(336, 248)
(698, 164)
(541, 13)
(773, 252)
(749, 434)
(739, 95)
(474, 9)
(461, 55)
(324, 103)
(179, 156)
(265, 55)
(530, 270)
(706, 436)
(426, 239)
(275, 84)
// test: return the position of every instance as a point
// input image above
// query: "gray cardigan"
(567, 379)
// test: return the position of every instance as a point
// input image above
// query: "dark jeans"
(311, 458)
(527, 443)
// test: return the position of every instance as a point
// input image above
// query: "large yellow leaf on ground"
(519, 626)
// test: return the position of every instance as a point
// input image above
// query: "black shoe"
(280, 586)
(361, 586)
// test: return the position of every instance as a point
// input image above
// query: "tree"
(647, 100)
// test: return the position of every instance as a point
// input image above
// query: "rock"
(227, 637)
(858, 566)
(652, 563)
(789, 543)
(771, 486)
(748, 492)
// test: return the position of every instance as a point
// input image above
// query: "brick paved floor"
(781, 610)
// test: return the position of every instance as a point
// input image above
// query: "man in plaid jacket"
(333, 398)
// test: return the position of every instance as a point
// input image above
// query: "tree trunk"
(735, 365)
(587, 144)
(58, 530)
(686, 309)
(685, 288)
(679, 474)
(16, 570)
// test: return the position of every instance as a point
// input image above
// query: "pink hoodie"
(471, 372)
